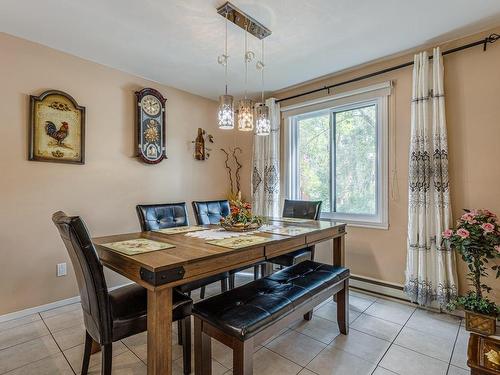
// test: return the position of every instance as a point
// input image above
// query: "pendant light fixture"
(225, 114)
(262, 121)
(245, 107)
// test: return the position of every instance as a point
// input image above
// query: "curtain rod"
(492, 38)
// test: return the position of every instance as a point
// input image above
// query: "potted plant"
(240, 218)
(477, 240)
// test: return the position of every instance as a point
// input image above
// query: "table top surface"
(191, 249)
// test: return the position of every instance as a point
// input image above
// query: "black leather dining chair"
(169, 215)
(299, 210)
(110, 316)
(210, 212)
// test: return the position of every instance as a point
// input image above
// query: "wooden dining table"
(192, 259)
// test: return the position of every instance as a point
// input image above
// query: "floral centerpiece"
(241, 218)
(477, 240)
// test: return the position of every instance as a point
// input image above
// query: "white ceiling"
(176, 42)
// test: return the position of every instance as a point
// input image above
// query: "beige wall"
(106, 189)
(472, 84)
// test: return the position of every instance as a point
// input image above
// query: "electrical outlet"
(61, 269)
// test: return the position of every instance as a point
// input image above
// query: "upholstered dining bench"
(254, 312)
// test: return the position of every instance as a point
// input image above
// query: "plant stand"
(483, 354)
(479, 323)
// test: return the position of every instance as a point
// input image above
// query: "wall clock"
(151, 126)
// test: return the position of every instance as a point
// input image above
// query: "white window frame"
(372, 95)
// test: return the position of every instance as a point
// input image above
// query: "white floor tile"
(123, 364)
(332, 361)
(266, 362)
(27, 352)
(407, 362)
(70, 337)
(329, 311)
(433, 324)
(306, 372)
(296, 347)
(75, 356)
(64, 320)
(19, 322)
(453, 370)
(380, 328)
(53, 365)
(20, 334)
(318, 328)
(433, 346)
(391, 311)
(370, 348)
(459, 357)
(382, 371)
(359, 304)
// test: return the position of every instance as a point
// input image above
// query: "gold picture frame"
(57, 128)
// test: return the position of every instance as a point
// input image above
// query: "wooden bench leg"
(343, 308)
(202, 350)
(243, 357)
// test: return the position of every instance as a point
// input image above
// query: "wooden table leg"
(160, 332)
(338, 254)
(339, 251)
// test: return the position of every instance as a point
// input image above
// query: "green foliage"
(472, 302)
(355, 159)
(314, 159)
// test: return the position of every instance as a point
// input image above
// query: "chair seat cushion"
(292, 258)
(129, 309)
(244, 311)
(188, 287)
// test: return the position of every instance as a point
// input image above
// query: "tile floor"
(386, 338)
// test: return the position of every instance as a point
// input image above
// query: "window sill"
(358, 224)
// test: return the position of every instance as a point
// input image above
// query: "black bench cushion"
(244, 311)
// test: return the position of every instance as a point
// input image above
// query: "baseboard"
(42, 308)
(379, 287)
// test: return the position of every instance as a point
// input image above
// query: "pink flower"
(463, 233)
(447, 233)
(469, 218)
(488, 227)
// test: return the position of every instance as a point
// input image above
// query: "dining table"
(189, 258)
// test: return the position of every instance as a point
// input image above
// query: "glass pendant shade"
(226, 112)
(245, 115)
(262, 121)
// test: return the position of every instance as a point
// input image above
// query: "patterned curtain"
(431, 277)
(266, 166)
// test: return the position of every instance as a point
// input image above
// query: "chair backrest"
(302, 209)
(210, 212)
(160, 216)
(89, 276)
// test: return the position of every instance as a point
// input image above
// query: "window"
(338, 155)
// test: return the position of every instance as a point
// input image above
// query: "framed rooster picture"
(57, 128)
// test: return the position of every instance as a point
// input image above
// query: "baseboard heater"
(383, 288)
